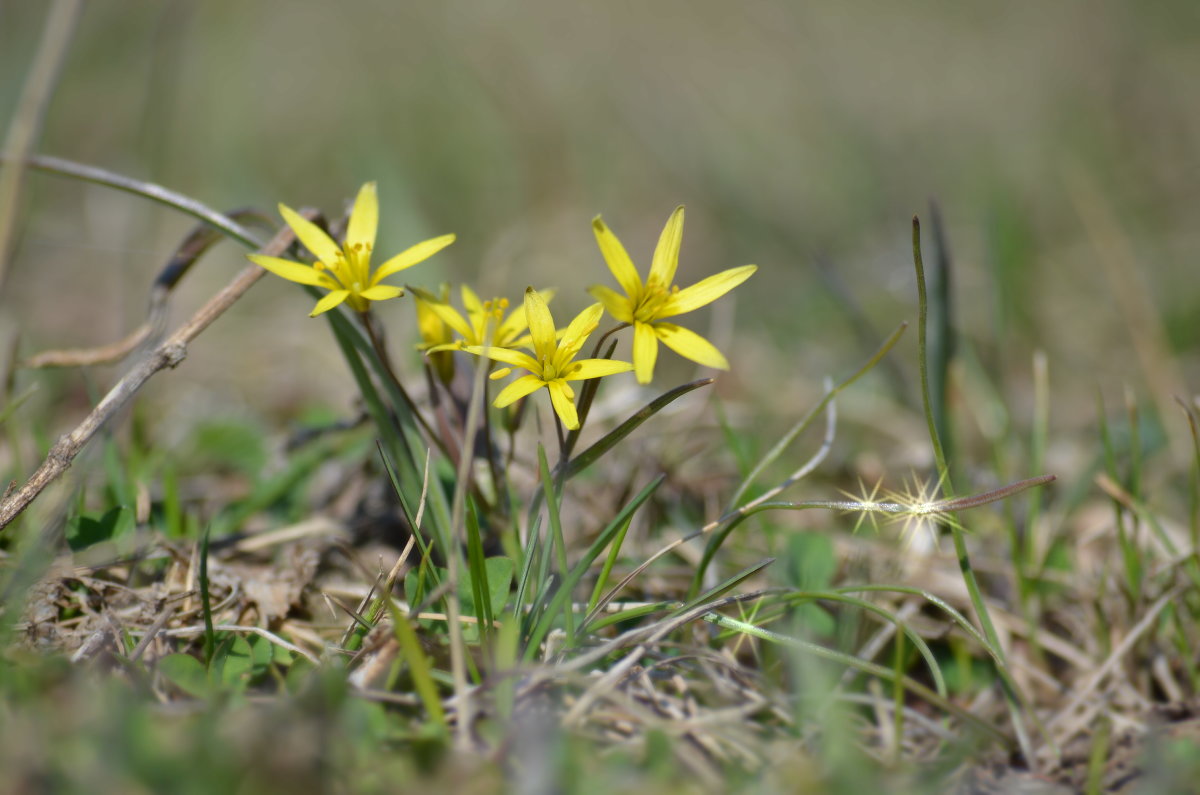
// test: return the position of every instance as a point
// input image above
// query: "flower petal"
(450, 316)
(515, 358)
(412, 256)
(312, 236)
(471, 301)
(690, 345)
(329, 302)
(666, 253)
(364, 218)
(617, 259)
(516, 322)
(294, 271)
(617, 305)
(645, 351)
(382, 292)
(577, 333)
(706, 291)
(525, 385)
(541, 324)
(563, 405)
(596, 368)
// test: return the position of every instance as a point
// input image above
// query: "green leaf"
(610, 440)
(810, 561)
(228, 444)
(233, 661)
(84, 530)
(499, 576)
(187, 673)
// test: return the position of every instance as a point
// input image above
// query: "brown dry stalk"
(168, 354)
(194, 246)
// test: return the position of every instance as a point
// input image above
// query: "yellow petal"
(563, 405)
(506, 355)
(596, 368)
(381, 292)
(617, 305)
(645, 351)
(577, 333)
(706, 291)
(541, 324)
(496, 375)
(525, 385)
(443, 347)
(523, 341)
(329, 302)
(411, 256)
(666, 253)
(471, 301)
(294, 271)
(364, 218)
(516, 322)
(690, 345)
(454, 319)
(617, 259)
(311, 235)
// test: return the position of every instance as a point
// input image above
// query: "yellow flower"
(346, 271)
(434, 333)
(551, 364)
(644, 306)
(482, 318)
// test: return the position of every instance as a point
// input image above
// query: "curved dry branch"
(167, 354)
(203, 237)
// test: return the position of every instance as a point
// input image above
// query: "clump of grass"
(494, 592)
(495, 620)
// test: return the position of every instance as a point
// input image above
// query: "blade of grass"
(955, 527)
(613, 437)
(477, 571)
(830, 393)
(418, 664)
(719, 590)
(618, 525)
(873, 669)
(560, 545)
(210, 636)
(148, 190)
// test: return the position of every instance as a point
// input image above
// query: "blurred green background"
(1061, 140)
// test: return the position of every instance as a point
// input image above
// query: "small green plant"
(475, 633)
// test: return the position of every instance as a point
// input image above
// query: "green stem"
(955, 527)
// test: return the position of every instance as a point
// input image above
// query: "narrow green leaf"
(418, 665)
(593, 453)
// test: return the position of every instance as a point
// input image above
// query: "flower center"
(652, 301)
(358, 260)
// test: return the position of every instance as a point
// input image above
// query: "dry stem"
(169, 354)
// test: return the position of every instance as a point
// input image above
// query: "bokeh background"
(1060, 140)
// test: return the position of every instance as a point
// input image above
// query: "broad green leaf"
(187, 673)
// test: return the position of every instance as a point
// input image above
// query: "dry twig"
(168, 354)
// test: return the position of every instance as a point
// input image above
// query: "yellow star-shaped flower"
(646, 306)
(552, 364)
(345, 271)
(508, 329)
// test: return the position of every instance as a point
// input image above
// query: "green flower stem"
(956, 532)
